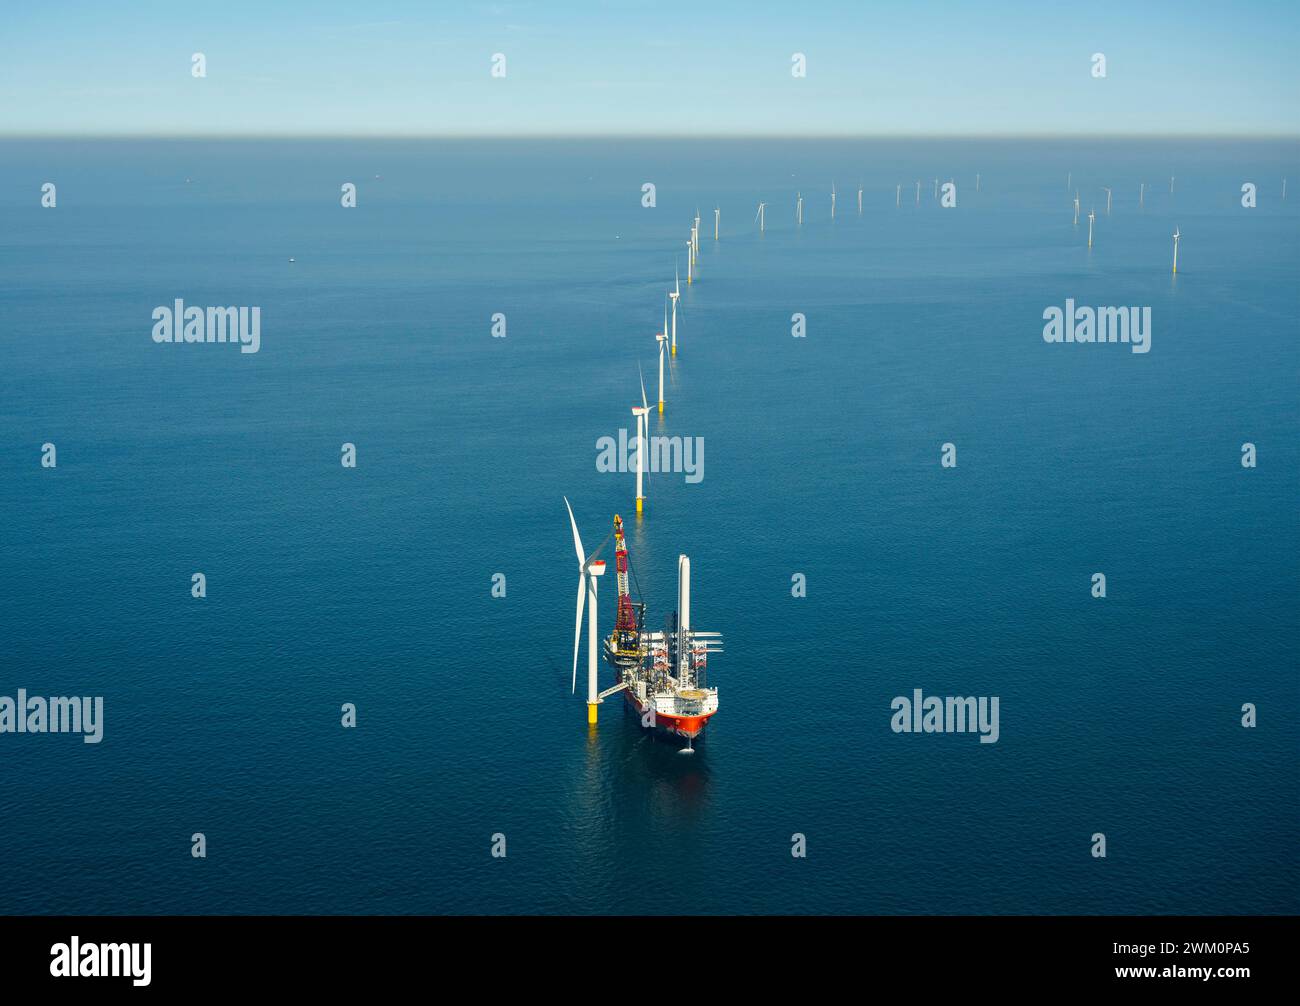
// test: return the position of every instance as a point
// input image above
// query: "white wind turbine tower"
(761, 217)
(898, 195)
(642, 431)
(1076, 208)
(717, 219)
(697, 230)
(1106, 189)
(1142, 195)
(690, 265)
(798, 208)
(1091, 217)
(1175, 251)
(859, 199)
(918, 192)
(662, 339)
(676, 292)
(1068, 175)
(832, 200)
(1171, 185)
(589, 568)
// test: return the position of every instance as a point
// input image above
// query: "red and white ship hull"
(689, 727)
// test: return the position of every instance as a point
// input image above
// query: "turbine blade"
(577, 629)
(577, 541)
(644, 403)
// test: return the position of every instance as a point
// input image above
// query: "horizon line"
(460, 136)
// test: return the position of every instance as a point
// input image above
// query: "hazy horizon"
(412, 70)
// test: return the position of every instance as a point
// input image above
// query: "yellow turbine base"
(674, 353)
(661, 408)
(639, 501)
(591, 712)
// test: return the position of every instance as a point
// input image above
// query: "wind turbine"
(1076, 208)
(642, 429)
(898, 195)
(690, 265)
(859, 200)
(832, 200)
(977, 181)
(1175, 251)
(677, 292)
(798, 207)
(918, 192)
(1091, 216)
(589, 568)
(1171, 185)
(662, 339)
(717, 219)
(1283, 190)
(1106, 189)
(1142, 195)
(761, 217)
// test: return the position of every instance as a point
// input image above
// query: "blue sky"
(707, 68)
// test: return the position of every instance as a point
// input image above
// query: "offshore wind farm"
(825, 366)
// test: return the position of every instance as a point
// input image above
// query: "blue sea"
(373, 586)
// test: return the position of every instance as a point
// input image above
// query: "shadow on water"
(674, 783)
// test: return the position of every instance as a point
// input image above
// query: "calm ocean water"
(372, 586)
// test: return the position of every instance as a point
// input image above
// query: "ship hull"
(689, 727)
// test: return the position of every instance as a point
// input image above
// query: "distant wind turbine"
(676, 292)
(1091, 217)
(761, 217)
(1175, 251)
(1106, 188)
(662, 338)
(642, 428)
